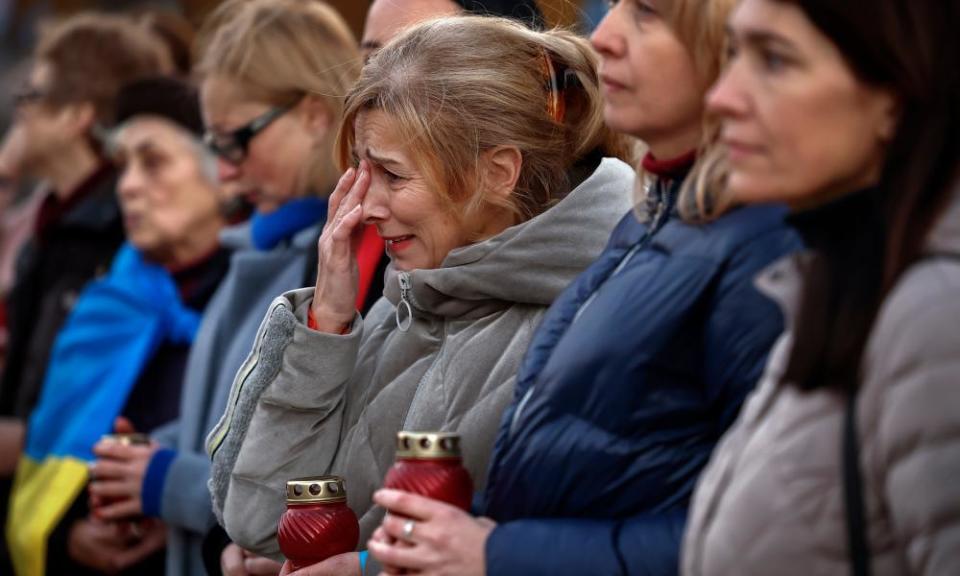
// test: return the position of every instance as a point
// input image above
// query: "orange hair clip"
(556, 104)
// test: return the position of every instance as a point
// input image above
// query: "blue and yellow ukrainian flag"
(118, 324)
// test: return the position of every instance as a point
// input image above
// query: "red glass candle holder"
(430, 464)
(318, 524)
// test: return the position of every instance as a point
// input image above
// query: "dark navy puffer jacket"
(635, 373)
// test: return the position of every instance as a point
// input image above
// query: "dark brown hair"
(177, 35)
(93, 55)
(863, 243)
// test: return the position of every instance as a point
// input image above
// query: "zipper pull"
(664, 206)
(658, 214)
(404, 320)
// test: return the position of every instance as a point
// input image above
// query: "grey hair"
(206, 159)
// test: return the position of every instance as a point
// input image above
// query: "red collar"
(670, 168)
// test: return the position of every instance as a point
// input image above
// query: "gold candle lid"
(130, 439)
(314, 489)
(428, 444)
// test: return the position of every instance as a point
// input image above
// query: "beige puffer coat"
(771, 501)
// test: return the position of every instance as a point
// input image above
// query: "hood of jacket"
(529, 263)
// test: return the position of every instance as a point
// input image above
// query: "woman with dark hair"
(848, 453)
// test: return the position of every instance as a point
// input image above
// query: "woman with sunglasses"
(846, 460)
(477, 148)
(273, 77)
(641, 364)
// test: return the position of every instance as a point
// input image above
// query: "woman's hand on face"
(334, 297)
(445, 541)
(341, 565)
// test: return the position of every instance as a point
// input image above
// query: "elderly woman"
(477, 149)
(123, 349)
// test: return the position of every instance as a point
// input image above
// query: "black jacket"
(75, 242)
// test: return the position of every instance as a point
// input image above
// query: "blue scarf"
(271, 229)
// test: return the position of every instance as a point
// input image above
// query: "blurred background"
(19, 20)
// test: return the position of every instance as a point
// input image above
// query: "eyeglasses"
(233, 146)
(28, 95)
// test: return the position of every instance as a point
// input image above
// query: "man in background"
(78, 67)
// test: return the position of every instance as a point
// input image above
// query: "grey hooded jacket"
(309, 403)
(771, 500)
(226, 334)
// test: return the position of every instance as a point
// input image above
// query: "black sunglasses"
(232, 146)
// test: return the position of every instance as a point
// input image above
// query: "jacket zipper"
(406, 299)
(403, 324)
(659, 219)
(241, 380)
(664, 206)
(426, 375)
